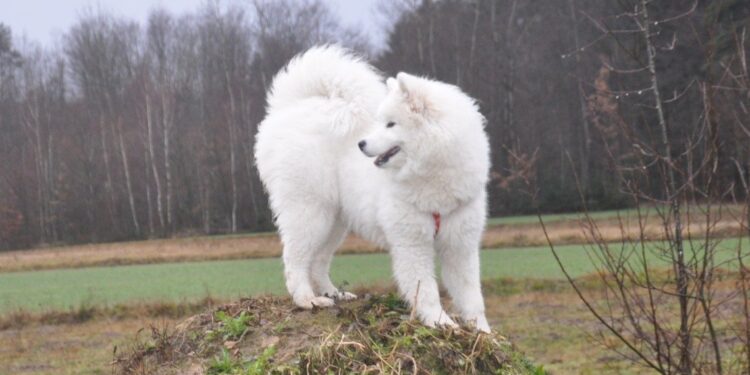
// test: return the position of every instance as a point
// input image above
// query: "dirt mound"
(266, 335)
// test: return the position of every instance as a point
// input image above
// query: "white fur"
(322, 186)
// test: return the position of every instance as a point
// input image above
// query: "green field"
(69, 288)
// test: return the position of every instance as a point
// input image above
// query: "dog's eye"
(390, 124)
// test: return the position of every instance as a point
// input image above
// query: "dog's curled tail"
(329, 72)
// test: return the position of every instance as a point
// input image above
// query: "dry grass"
(155, 310)
(156, 251)
(142, 252)
(268, 245)
(555, 329)
(547, 320)
(607, 230)
(373, 335)
(62, 349)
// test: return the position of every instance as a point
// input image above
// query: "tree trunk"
(249, 156)
(149, 200)
(167, 134)
(50, 188)
(109, 188)
(585, 145)
(154, 167)
(672, 194)
(473, 46)
(33, 127)
(510, 73)
(128, 183)
(457, 49)
(232, 153)
(431, 41)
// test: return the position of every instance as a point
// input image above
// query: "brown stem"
(672, 195)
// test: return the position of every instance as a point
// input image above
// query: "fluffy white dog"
(328, 112)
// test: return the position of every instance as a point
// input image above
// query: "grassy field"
(550, 327)
(139, 283)
(507, 232)
(71, 288)
(544, 319)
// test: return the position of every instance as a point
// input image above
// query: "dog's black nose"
(362, 144)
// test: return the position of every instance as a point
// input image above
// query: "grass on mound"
(266, 335)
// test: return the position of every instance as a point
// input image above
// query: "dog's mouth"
(384, 157)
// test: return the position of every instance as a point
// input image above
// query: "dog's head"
(403, 122)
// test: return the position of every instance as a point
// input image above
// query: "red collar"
(436, 218)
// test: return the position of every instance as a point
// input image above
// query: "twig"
(413, 313)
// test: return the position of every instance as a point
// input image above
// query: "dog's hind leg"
(321, 265)
(458, 247)
(305, 230)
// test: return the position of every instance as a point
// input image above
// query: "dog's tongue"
(384, 157)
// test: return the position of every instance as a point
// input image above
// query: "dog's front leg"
(410, 236)
(413, 267)
(458, 245)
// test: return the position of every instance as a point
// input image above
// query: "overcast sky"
(45, 21)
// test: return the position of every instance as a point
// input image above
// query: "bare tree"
(126, 131)
(731, 91)
(38, 84)
(662, 301)
(101, 54)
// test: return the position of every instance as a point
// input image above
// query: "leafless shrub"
(671, 305)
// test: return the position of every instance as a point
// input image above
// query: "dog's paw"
(440, 319)
(477, 321)
(310, 303)
(482, 325)
(446, 323)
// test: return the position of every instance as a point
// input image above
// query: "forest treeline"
(130, 131)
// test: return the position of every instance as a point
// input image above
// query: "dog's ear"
(410, 87)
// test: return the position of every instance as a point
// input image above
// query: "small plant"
(281, 326)
(223, 364)
(232, 328)
(260, 366)
(393, 302)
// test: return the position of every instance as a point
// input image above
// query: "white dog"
(328, 111)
